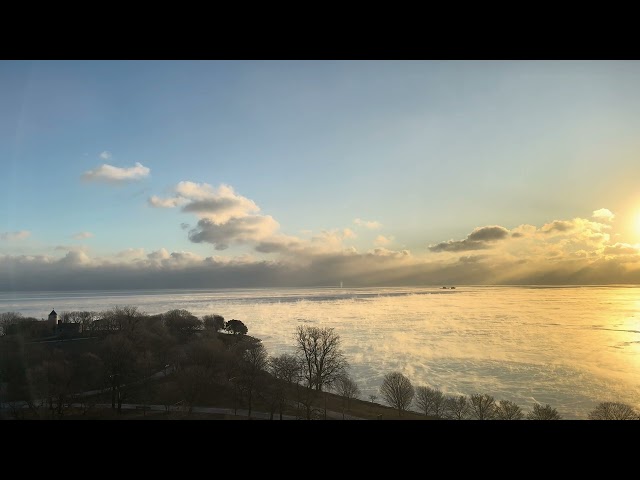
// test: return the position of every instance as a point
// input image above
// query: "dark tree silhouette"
(320, 354)
(236, 327)
(285, 367)
(613, 411)
(540, 412)
(213, 322)
(252, 368)
(7, 319)
(506, 410)
(181, 322)
(119, 358)
(482, 407)
(347, 388)
(457, 408)
(397, 391)
(431, 401)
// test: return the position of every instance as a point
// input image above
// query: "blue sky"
(426, 150)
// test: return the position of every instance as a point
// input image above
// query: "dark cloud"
(271, 246)
(558, 226)
(488, 234)
(480, 239)
(218, 205)
(184, 226)
(252, 228)
(517, 235)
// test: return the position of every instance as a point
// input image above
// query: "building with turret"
(53, 320)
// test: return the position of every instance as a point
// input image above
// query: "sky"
(202, 174)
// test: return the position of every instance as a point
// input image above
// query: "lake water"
(570, 347)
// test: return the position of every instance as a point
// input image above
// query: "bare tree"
(457, 408)
(321, 355)
(253, 366)
(506, 410)
(119, 359)
(347, 388)
(7, 319)
(397, 391)
(373, 398)
(482, 407)
(192, 382)
(285, 367)
(540, 412)
(431, 401)
(613, 411)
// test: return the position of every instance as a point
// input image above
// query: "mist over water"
(570, 347)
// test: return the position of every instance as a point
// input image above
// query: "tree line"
(177, 358)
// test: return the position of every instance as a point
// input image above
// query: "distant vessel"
(340, 284)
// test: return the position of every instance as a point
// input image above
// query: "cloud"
(472, 258)
(131, 253)
(110, 174)
(19, 235)
(218, 205)
(532, 259)
(348, 233)
(373, 224)
(248, 229)
(479, 239)
(71, 248)
(381, 241)
(105, 155)
(621, 249)
(557, 226)
(83, 235)
(488, 234)
(384, 252)
(603, 214)
(158, 202)
(227, 218)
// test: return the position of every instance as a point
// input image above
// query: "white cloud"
(373, 224)
(218, 205)
(83, 235)
(109, 173)
(105, 155)
(603, 214)
(19, 235)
